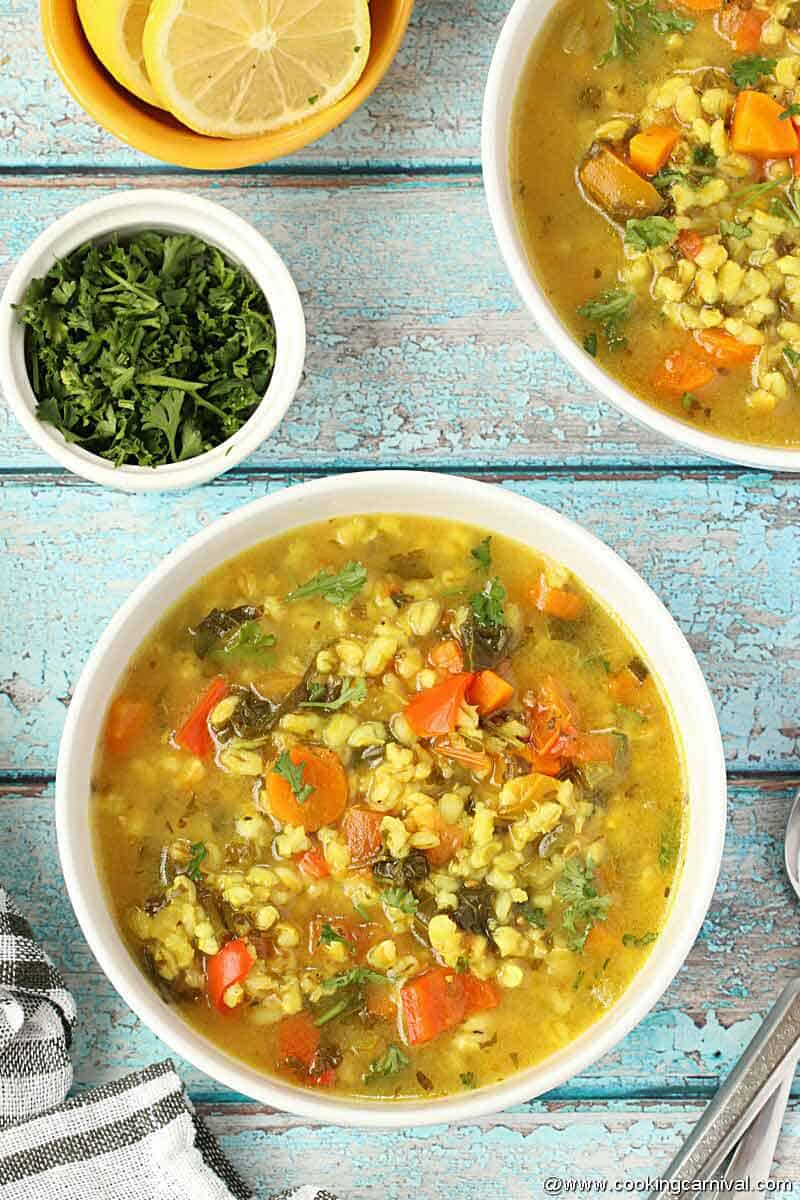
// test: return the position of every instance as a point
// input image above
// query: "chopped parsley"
(147, 351)
(578, 980)
(666, 177)
(637, 20)
(583, 905)
(735, 230)
(337, 587)
(199, 852)
(590, 344)
(250, 642)
(670, 842)
(754, 191)
(787, 205)
(689, 402)
(747, 72)
(293, 774)
(793, 110)
(630, 939)
(646, 233)
(611, 310)
(468, 1079)
(330, 937)
(355, 977)
(390, 1063)
(347, 691)
(482, 553)
(402, 899)
(487, 605)
(704, 156)
(533, 915)
(791, 356)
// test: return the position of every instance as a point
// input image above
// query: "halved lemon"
(245, 67)
(114, 29)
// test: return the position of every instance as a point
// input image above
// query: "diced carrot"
(690, 243)
(476, 760)
(546, 764)
(553, 721)
(601, 940)
(323, 771)
(312, 863)
(440, 999)
(595, 748)
(447, 656)
(682, 372)
(326, 1078)
(724, 349)
(758, 130)
(617, 188)
(194, 734)
(651, 148)
(229, 965)
(127, 721)
(624, 687)
(796, 164)
(489, 692)
(451, 839)
(742, 27)
(298, 1040)
(698, 5)
(361, 828)
(556, 602)
(435, 710)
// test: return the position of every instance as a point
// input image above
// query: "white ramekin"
(169, 212)
(619, 587)
(523, 23)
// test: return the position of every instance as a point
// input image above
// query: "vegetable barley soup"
(380, 790)
(659, 202)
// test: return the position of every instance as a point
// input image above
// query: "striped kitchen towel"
(136, 1139)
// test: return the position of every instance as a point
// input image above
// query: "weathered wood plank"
(721, 550)
(510, 1157)
(748, 948)
(418, 351)
(426, 111)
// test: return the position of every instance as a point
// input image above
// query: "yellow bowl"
(157, 133)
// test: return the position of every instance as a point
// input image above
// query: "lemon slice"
(245, 67)
(114, 29)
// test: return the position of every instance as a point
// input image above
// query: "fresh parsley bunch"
(147, 351)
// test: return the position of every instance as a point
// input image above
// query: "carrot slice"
(127, 721)
(435, 710)
(617, 188)
(698, 5)
(595, 748)
(651, 148)
(229, 965)
(361, 828)
(489, 692)
(313, 864)
(682, 372)
(323, 771)
(556, 602)
(724, 349)
(624, 687)
(451, 839)
(742, 27)
(690, 243)
(440, 999)
(298, 1040)
(758, 130)
(194, 734)
(481, 994)
(447, 656)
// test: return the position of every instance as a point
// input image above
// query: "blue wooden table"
(419, 355)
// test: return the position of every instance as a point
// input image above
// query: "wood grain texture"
(720, 550)
(427, 110)
(747, 950)
(418, 351)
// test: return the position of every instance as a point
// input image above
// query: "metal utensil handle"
(742, 1094)
(751, 1162)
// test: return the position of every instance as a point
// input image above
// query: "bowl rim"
(500, 94)
(157, 208)
(457, 498)
(138, 125)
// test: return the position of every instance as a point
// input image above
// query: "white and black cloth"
(138, 1138)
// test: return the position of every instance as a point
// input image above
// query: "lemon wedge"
(114, 30)
(244, 67)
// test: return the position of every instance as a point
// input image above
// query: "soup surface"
(379, 790)
(658, 201)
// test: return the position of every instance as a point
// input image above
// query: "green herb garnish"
(578, 980)
(147, 351)
(646, 233)
(791, 356)
(584, 906)
(689, 402)
(355, 977)
(787, 205)
(611, 310)
(482, 553)
(390, 1063)
(637, 20)
(468, 1079)
(199, 852)
(590, 344)
(735, 230)
(533, 915)
(250, 642)
(487, 605)
(793, 110)
(629, 939)
(330, 936)
(350, 691)
(704, 156)
(402, 899)
(293, 774)
(747, 72)
(747, 195)
(670, 842)
(666, 177)
(362, 912)
(337, 587)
